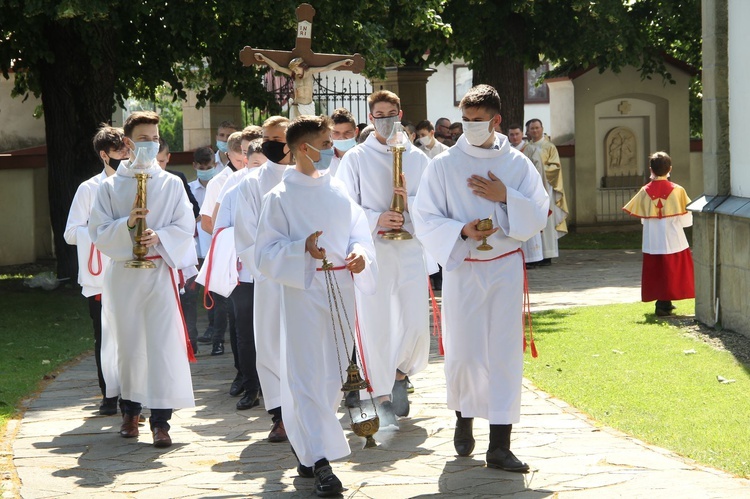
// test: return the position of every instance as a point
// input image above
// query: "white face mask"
(477, 132)
(384, 126)
(425, 141)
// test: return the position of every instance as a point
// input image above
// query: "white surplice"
(91, 262)
(140, 307)
(482, 301)
(202, 238)
(313, 365)
(394, 322)
(267, 297)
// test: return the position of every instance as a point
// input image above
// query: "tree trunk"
(77, 95)
(507, 76)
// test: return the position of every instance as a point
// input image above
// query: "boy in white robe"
(482, 176)
(141, 307)
(305, 210)
(267, 295)
(394, 322)
(110, 147)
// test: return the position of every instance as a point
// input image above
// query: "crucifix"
(301, 63)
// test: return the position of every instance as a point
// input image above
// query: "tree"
(83, 57)
(499, 39)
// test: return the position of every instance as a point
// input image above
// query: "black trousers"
(190, 310)
(95, 311)
(223, 316)
(242, 298)
(159, 417)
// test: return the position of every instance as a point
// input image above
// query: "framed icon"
(462, 78)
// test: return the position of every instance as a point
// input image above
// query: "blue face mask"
(345, 144)
(326, 155)
(144, 154)
(222, 146)
(206, 175)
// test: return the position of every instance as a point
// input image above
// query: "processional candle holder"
(396, 143)
(363, 424)
(139, 250)
(484, 224)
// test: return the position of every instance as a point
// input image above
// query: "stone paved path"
(62, 449)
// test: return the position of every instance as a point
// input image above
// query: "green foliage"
(630, 371)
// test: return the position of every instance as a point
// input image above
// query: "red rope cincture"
(526, 312)
(206, 292)
(190, 354)
(91, 259)
(437, 318)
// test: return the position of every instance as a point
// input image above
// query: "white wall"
(18, 127)
(739, 96)
(440, 103)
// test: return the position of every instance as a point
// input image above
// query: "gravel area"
(720, 339)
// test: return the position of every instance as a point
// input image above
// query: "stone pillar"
(562, 109)
(410, 84)
(199, 125)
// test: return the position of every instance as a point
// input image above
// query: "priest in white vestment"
(308, 216)
(141, 307)
(481, 177)
(394, 322)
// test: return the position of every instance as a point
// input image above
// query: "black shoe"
(218, 349)
(387, 415)
(237, 387)
(109, 406)
(400, 398)
(326, 483)
(352, 399)
(505, 460)
(463, 437)
(305, 471)
(248, 401)
(208, 336)
(545, 262)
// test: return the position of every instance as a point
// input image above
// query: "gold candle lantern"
(139, 250)
(484, 224)
(396, 142)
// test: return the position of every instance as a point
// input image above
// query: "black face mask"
(274, 151)
(114, 163)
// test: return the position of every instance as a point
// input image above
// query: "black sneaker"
(400, 398)
(218, 349)
(305, 471)
(504, 459)
(109, 406)
(326, 483)
(207, 337)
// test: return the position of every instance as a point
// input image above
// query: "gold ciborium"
(139, 250)
(484, 224)
(396, 142)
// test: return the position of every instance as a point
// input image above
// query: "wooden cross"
(302, 49)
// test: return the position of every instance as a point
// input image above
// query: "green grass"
(627, 239)
(629, 371)
(39, 331)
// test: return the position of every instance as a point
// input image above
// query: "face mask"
(384, 126)
(477, 132)
(222, 146)
(326, 155)
(274, 151)
(145, 154)
(345, 144)
(206, 175)
(113, 163)
(425, 141)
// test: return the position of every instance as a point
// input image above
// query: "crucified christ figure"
(302, 77)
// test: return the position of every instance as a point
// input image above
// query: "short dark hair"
(383, 96)
(341, 116)
(483, 96)
(534, 120)
(108, 138)
(139, 118)
(660, 163)
(305, 127)
(255, 146)
(425, 125)
(227, 124)
(163, 146)
(437, 123)
(457, 124)
(513, 126)
(203, 155)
